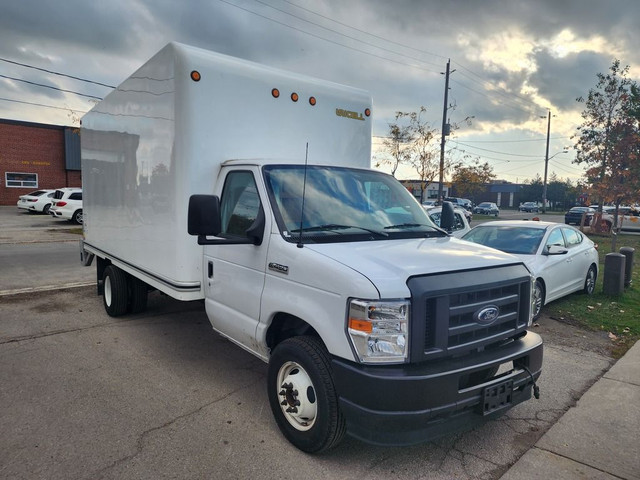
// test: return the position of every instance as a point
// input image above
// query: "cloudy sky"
(512, 60)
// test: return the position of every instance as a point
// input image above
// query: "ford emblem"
(487, 315)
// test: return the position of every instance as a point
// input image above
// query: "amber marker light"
(312, 100)
(275, 92)
(367, 112)
(360, 325)
(195, 75)
(294, 96)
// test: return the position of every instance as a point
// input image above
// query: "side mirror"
(204, 215)
(556, 250)
(447, 217)
(204, 221)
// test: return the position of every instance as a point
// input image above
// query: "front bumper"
(414, 403)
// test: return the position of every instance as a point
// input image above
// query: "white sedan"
(460, 215)
(38, 201)
(561, 258)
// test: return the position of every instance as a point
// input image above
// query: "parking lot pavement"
(38, 252)
(160, 395)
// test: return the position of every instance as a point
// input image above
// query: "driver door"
(235, 274)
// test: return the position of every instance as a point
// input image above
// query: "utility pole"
(444, 133)
(546, 166)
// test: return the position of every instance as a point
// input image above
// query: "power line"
(495, 151)
(42, 105)
(49, 86)
(325, 39)
(515, 141)
(56, 73)
(344, 35)
(365, 32)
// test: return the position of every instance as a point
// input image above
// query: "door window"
(240, 203)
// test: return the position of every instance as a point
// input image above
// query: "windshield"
(343, 204)
(516, 240)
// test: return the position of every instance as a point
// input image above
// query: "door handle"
(210, 269)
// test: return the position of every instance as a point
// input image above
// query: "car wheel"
(138, 296)
(538, 299)
(590, 280)
(302, 396)
(46, 208)
(115, 291)
(77, 217)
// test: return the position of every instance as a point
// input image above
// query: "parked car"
(38, 201)
(529, 207)
(628, 218)
(460, 202)
(487, 208)
(461, 219)
(574, 215)
(67, 204)
(562, 259)
(429, 203)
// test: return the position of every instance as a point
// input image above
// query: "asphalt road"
(160, 395)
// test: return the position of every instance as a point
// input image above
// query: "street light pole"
(546, 166)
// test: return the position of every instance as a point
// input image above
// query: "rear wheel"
(302, 395)
(77, 217)
(46, 208)
(115, 294)
(590, 280)
(139, 294)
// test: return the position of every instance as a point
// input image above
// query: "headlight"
(379, 331)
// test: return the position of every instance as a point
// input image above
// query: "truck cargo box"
(162, 135)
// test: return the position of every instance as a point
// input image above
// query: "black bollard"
(613, 274)
(628, 269)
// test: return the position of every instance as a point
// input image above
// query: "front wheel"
(538, 299)
(590, 280)
(302, 395)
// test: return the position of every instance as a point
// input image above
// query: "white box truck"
(210, 177)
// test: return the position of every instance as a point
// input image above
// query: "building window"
(21, 180)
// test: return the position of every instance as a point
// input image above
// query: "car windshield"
(342, 204)
(509, 239)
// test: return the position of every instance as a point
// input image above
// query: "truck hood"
(388, 264)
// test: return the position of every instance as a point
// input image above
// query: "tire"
(302, 395)
(115, 291)
(46, 208)
(138, 295)
(538, 299)
(77, 217)
(590, 280)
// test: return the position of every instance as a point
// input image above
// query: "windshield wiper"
(431, 232)
(408, 225)
(335, 226)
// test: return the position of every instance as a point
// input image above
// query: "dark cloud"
(562, 80)
(395, 50)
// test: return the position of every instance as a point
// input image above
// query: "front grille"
(443, 308)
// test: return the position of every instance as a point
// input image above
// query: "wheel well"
(544, 288)
(286, 326)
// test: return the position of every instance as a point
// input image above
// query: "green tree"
(532, 191)
(470, 180)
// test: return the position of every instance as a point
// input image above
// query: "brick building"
(35, 156)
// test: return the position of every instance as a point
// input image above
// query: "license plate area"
(497, 397)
